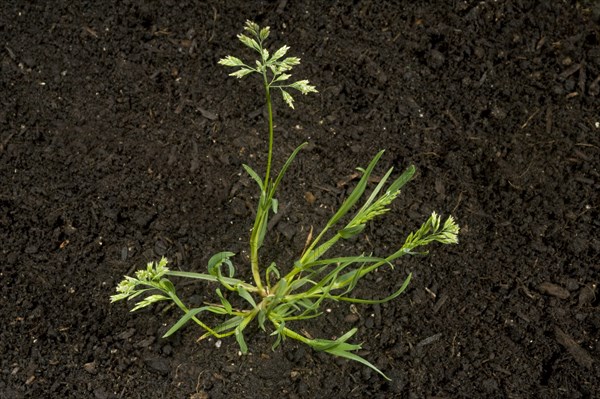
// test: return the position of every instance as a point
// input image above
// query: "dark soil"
(121, 140)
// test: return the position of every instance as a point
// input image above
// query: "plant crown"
(275, 298)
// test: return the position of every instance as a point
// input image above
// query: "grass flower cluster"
(279, 298)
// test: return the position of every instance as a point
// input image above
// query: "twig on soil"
(5, 142)
(579, 354)
(524, 125)
(453, 119)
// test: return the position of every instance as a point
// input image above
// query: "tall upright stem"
(254, 244)
(270, 111)
(263, 207)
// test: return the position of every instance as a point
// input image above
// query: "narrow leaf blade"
(356, 358)
(356, 193)
(246, 295)
(285, 168)
(255, 176)
(183, 320)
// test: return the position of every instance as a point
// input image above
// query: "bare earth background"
(121, 140)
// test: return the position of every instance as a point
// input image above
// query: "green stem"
(292, 334)
(254, 236)
(184, 308)
(270, 111)
(263, 208)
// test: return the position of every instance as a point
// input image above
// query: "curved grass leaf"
(217, 260)
(376, 301)
(403, 179)
(213, 279)
(353, 356)
(244, 294)
(224, 301)
(239, 337)
(255, 176)
(356, 193)
(352, 231)
(189, 315)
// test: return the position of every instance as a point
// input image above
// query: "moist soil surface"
(122, 140)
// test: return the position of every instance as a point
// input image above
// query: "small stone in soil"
(587, 295)
(90, 367)
(553, 290)
(158, 364)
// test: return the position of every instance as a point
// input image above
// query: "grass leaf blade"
(255, 176)
(356, 193)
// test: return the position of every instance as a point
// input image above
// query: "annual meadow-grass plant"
(280, 297)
